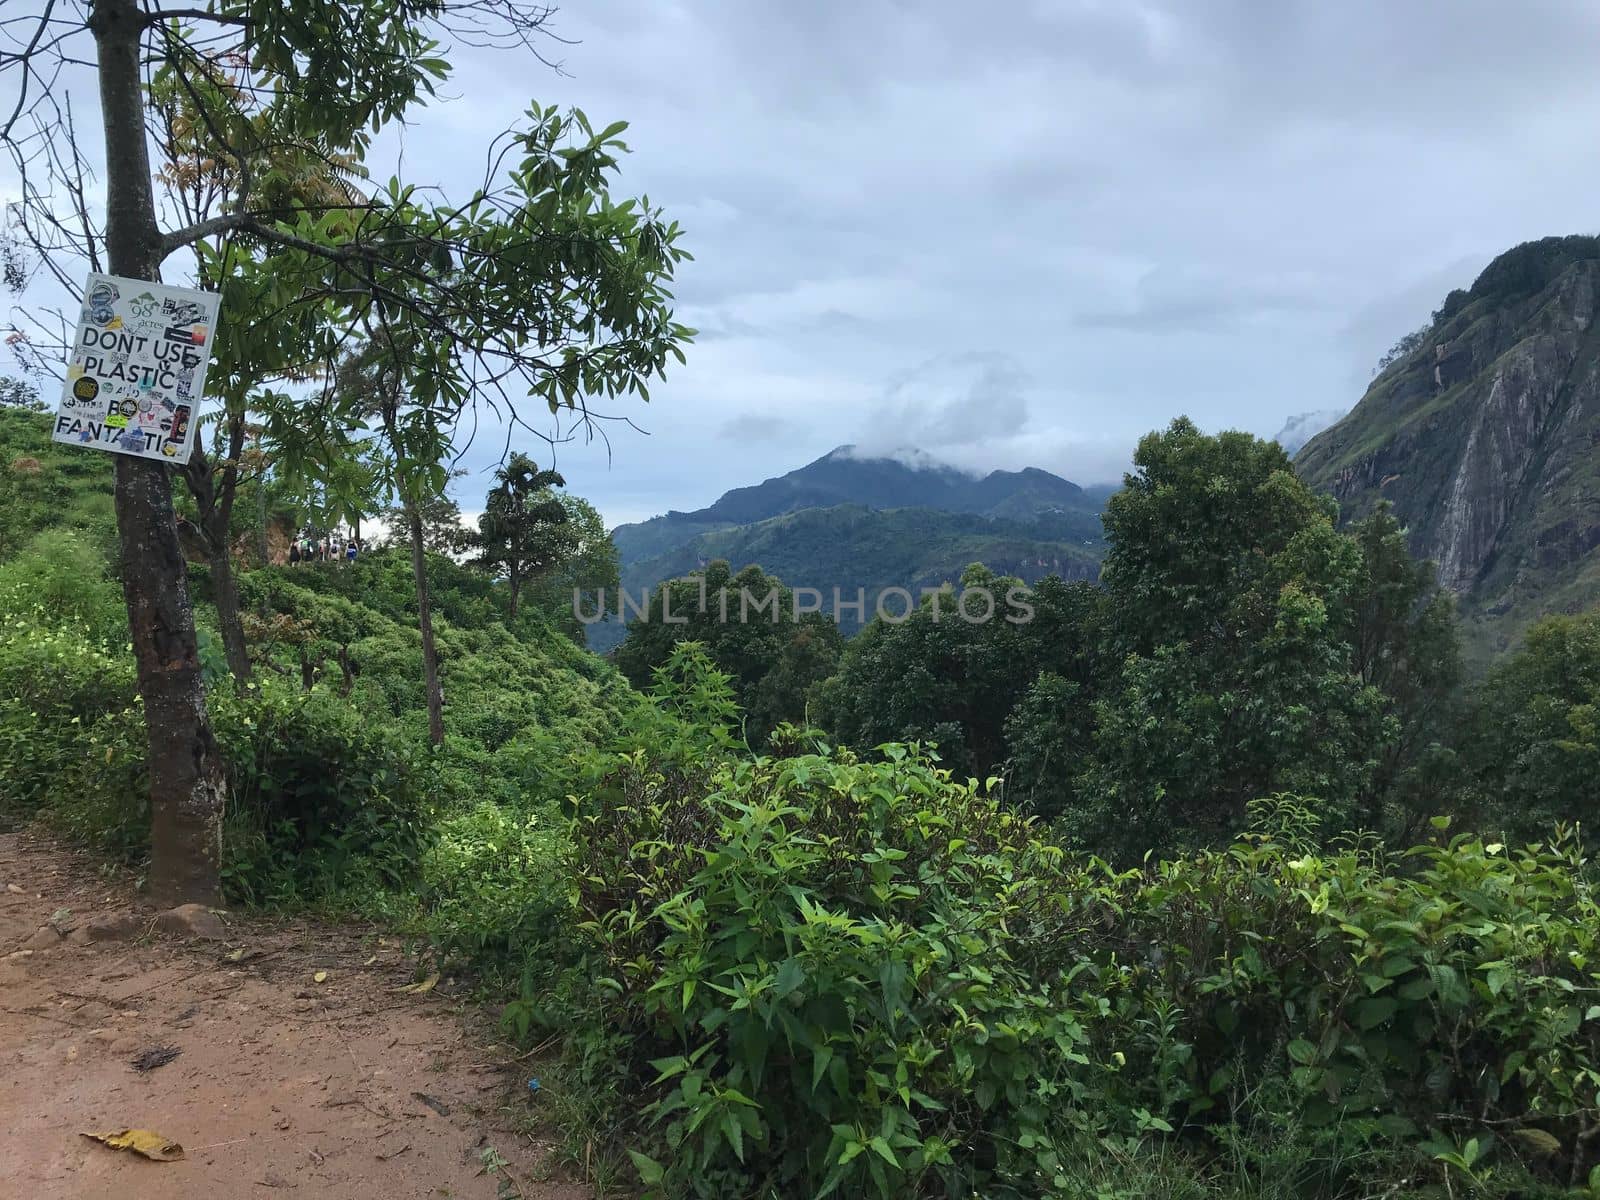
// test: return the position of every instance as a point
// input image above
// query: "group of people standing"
(331, 548)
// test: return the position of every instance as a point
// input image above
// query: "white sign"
(138, 368)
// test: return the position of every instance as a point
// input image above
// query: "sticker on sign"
(138, 368)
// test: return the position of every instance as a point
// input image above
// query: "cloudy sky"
(1027, 232)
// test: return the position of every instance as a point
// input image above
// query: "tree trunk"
(430, 659)
(263, 548)
(516, 586)
(227, 598)
(214, 493)
(186, 779)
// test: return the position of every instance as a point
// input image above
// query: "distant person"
(294, 554)
(350, 551)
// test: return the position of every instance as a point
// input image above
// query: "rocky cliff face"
(1486, 439)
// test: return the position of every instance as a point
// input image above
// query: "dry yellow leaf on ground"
(141, 1141)
(416, 989)
(320, 977)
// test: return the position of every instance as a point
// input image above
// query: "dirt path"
(281, 1086)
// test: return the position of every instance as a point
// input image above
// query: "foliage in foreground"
(820, 975)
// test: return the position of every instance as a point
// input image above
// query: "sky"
(1024, 234)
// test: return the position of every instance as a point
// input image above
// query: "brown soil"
(281, 1086)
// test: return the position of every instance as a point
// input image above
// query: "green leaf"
(1375, 1010)
(650, 1171)
(1538, 1141)
(881, 1148)
(1302, 1051)
(790, 976)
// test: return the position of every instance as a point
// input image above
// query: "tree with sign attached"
(536, 286)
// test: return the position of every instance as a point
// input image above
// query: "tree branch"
(196, 14)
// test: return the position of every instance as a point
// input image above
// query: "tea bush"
(316, 795)
(816, 975)
(495, 888)
(1424, 1002)
(56, 687)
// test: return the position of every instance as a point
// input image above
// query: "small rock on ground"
(115, 928)
(191, 921)
(45, 939)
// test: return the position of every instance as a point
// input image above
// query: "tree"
(747, 624)
(444, 530)
(371, 384)
(524, 526)
(1401, 629)
(1405, 346)
(1532, 738)
(539, 282)
(938, 677)
(590, 567)
(20, 393)
(288, 171)
(1229, 588)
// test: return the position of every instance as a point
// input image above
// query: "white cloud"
(1142, 208)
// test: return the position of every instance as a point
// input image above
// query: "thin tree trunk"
(226, 591)
(187, 785)
(516, 587)
(430, 659)
(214, 493)
(263, 548)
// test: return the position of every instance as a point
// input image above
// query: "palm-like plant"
(524, 527)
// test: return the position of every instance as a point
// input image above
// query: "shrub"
(495, 889)
(60, 579)
(815, 975)
(56, 686)
(818, 974)
(316, 793)
(1419, 1003)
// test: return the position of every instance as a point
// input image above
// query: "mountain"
(853, 521)
(1485, 436)
(843, 477)
(1302, 427)
(848, 546)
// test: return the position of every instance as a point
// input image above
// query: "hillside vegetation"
(1210, 880)
(853, 548)
(857, 521)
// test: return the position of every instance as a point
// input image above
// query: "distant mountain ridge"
(852, 520)
(1484, 433)
(843, 477)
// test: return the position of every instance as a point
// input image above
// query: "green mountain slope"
(1485, 436)
(45, 485)
(850, 547)
(844, 477)
(853, 521)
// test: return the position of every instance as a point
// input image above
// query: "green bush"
(317, 795)
(1533, 738)
(495, 888)
(814, 975)
(60, 577)
(817, 975)
(56, 688)
(1406, 1006)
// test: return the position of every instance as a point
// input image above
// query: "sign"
(138, 368)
